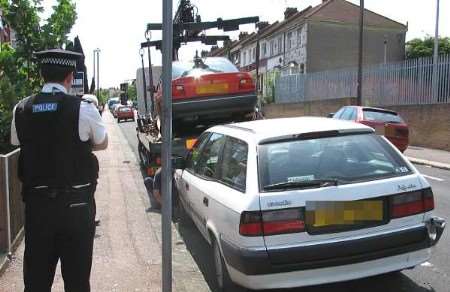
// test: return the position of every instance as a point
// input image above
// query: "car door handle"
(205, 201)
(187, 186)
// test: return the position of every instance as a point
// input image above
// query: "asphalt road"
(431, 276)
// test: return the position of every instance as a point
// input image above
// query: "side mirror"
(330, 115)
(178, 162)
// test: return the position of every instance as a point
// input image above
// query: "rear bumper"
(308, 257)
(330, 274)
(127, 116)
(244, 103)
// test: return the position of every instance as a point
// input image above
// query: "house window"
(272, 47)
(302, 68)
(264, 49)
(299, 37)
(254, 54)
(280, 44)
(244, 59)
(289, 40)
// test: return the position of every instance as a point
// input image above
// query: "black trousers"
(59, 225)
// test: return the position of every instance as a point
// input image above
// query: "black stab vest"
(52, 153)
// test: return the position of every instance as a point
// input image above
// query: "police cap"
(58, 57)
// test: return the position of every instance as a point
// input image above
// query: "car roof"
(370, 108)
(274, 128)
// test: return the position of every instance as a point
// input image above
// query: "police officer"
(57, 133)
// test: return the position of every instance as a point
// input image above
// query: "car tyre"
(118, 120)
(223, 280)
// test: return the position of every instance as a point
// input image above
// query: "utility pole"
(360, 53)
(167, 56)
(96, 70)
(144, 82)
(94, 75)
(435, 83)
(148, 36)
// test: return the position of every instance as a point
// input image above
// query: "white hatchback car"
(304, 201)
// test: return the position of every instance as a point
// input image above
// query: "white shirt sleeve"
(14, 138)
(91, 126)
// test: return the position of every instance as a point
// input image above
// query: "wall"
(335, 45)
(428, 124)
(311, 108)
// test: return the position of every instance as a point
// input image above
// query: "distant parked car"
(114, 109)
(305, 201)
(385, 122)
(124, 112)
(113, 101)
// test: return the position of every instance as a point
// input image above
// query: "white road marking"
(433, 177)
(427, 264)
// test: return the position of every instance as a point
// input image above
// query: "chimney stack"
(262, 25)
(289, 12)
(242, 35)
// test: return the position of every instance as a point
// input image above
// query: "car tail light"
(412, 203)
(246, 83)
(272, 222)
(190, 143)
(178, 90)
(402, 132)
(158, 160)
(283, 221)
(251, 224)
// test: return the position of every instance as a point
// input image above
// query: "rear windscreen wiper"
(316, 183)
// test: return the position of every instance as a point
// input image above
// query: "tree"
(418, 48)
(132, 93)
(19, 76)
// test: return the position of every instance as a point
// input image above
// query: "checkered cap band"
(60, 62)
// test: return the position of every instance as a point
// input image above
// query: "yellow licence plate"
(218, 88)
(321, 214)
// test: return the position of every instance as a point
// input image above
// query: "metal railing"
(403, 83)
(11, 206)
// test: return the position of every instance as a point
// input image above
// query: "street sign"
(77, 84)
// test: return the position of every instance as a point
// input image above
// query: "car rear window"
(381, 116)
(125, 109)
(347, 159)
(211, 65)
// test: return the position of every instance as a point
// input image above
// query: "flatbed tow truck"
(188, 27)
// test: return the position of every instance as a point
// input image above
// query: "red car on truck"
(205, 92)
(209, 88)
(385, 122)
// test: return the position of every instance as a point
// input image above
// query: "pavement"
(127, 249)
(431, 157)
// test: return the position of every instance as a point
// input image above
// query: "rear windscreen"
(380, 116)
(347, 159)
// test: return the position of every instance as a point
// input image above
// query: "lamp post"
(148, 36)
(97, 58)
(360, 53)
(436, 56)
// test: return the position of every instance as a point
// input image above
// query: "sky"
(117, 27)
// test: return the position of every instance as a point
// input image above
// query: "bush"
(13, 85)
